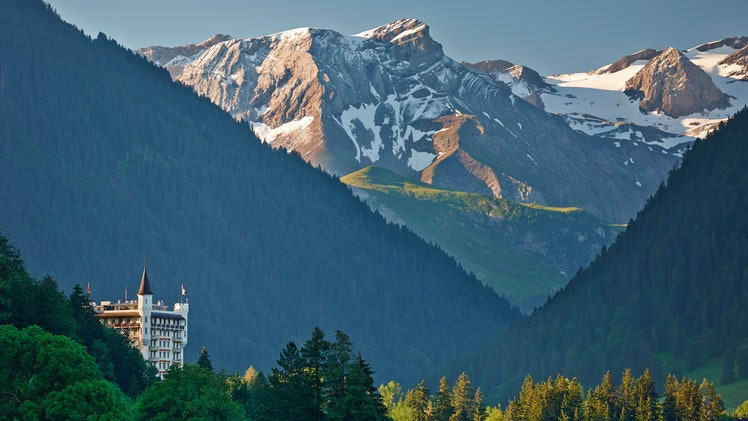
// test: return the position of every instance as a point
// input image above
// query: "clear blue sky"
(551, 36)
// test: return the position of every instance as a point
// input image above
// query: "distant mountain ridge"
(657, 97)
(390, 97)
(383, 97)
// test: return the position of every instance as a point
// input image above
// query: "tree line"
(57, 361)
(562, 399)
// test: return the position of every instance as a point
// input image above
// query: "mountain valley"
(389, 97)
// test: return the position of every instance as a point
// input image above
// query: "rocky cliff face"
(672, 84)
(738, 64)
(389, 97)
(523, 81)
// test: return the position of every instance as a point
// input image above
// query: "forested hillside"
(104, 161)
(668, 295)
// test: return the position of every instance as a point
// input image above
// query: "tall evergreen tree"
(478, 409)
(418, 399)
(712, 406)
(362, 401)
(646, 398)
(314, 352)
(289, 395)
(461, 397)
(442, 408)
(600, 405)
(204, 360)
(670, 404)
(626, 397)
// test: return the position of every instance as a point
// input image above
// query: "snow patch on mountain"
(420, 160)
(268, 134)
(358, 123)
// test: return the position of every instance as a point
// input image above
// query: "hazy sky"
(551, 36)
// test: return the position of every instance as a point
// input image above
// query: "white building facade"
(159, 334)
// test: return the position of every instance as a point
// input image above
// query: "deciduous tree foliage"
(189, 392)
(41, 303)
(45, 376)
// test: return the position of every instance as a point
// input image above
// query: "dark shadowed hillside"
(105, 162)
(669, 294)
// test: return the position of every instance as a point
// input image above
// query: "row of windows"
(165, 365)
(155, 343)
(162, 355)
(168, 322)
(167, 333)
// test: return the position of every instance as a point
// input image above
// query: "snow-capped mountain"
(389, 97)
(665, 97)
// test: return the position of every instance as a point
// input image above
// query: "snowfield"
(596, 104)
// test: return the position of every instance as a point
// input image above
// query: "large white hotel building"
(159, 334)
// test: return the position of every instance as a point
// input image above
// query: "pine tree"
(461, 398)
(646, 398)
(600, 403)
(314, 353)
(626, 397)
(418, 399)
(204, 360)
(442, 408)
(478, 410)
(670, 404)
(712, 405)
(362, 401)
(289, 395)
(337, 372)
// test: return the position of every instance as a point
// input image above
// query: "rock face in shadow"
(672, 84)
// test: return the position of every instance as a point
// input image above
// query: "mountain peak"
(399, 31)
(215, 39)
(672, 84)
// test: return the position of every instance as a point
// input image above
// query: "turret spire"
(145, 286)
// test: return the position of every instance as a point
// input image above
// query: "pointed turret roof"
(145, 286)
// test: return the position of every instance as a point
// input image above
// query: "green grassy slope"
(525, 252)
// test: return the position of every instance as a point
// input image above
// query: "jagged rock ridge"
(626, 61)
(738, 62)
